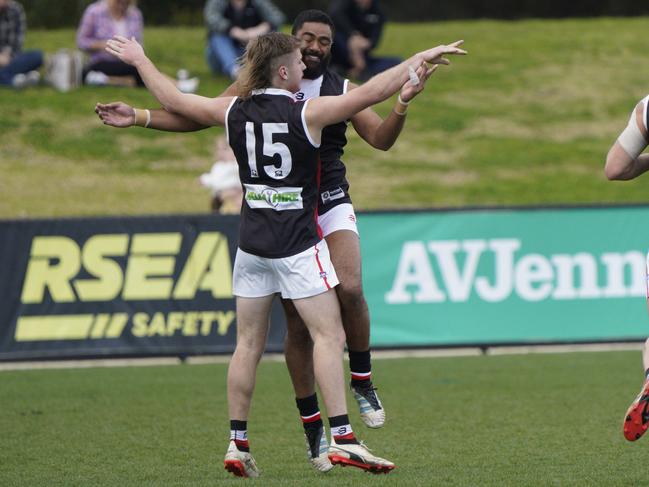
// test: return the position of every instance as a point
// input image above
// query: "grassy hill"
(526, 118)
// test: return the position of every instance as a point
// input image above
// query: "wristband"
(142, 118)
(403, 104)
(400, 100)
(401, 114)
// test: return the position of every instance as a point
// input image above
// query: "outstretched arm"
(200, 109)
(383, 133)
(119, 114)
(624, 160)
(327, 110)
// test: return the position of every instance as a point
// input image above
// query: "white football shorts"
(303, 275)
(340, 217)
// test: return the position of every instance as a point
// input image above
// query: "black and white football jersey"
(334, 186)
(279, 170)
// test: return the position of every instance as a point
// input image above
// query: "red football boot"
(636, 420)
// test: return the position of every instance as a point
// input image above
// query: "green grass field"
(526, 118)
(551, 419)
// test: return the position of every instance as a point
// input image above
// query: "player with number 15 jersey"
(280, 184)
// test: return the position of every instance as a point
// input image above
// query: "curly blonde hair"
(261, 59)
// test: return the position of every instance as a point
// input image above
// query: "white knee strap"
(631, 138)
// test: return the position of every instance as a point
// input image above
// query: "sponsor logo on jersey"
(334, 194)
(309, 88)
(278, 199)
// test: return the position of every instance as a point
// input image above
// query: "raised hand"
(127, 50)
(116, 114)
(436, 54)
(410, 89)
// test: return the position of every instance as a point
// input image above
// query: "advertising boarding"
(506, 276)
(143, 286)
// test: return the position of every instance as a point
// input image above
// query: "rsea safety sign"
(119, 286)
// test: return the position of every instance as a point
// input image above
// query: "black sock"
(239, 434)
(341, 430)
(360, 366)
(309, 412)
(646, 374)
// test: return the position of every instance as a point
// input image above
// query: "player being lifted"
(336, 218)
(625, 161)
(275, 140)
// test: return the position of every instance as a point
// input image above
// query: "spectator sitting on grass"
(231, 24)
(18, 68)
(223, 180)
(359, 25)
(101, 21)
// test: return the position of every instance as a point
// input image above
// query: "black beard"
(313, 73)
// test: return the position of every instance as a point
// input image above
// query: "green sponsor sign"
(506, 276)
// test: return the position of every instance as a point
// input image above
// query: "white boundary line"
(278, 357)
(87, 364)
(587, 347)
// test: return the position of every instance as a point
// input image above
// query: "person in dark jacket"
(231, 24)
(359, 25)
